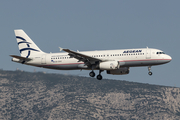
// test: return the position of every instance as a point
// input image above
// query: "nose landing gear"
(149, 69)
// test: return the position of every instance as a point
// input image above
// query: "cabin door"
(148, 54)
(43, 59)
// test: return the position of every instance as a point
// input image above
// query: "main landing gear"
(92, 74)
(99, 77)
(149, 69)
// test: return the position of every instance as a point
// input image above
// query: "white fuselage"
(126, 58)
(116, 62)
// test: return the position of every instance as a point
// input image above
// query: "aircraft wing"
(82, 57)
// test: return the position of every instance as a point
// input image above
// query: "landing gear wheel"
(99, 77)
(92, 74)
(149, 69)
(150, 73)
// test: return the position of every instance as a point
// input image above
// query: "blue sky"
(95, 25)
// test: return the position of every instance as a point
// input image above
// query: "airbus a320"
(115, 62)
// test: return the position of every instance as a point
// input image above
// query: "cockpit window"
(160, 53)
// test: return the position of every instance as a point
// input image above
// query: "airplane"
(115, 62)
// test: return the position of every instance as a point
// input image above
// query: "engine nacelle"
(109, 65)
(120, 71)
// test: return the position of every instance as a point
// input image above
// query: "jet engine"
(109, 65)
(120, 71)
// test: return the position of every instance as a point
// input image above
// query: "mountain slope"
(25, 95)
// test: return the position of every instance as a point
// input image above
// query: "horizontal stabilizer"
(21, 58)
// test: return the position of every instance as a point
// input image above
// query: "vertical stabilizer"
(26, 46)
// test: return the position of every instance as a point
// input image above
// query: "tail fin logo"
(28, 46)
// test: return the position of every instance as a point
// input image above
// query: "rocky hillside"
(25, 95)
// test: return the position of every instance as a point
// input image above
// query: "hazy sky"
(95, 25)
